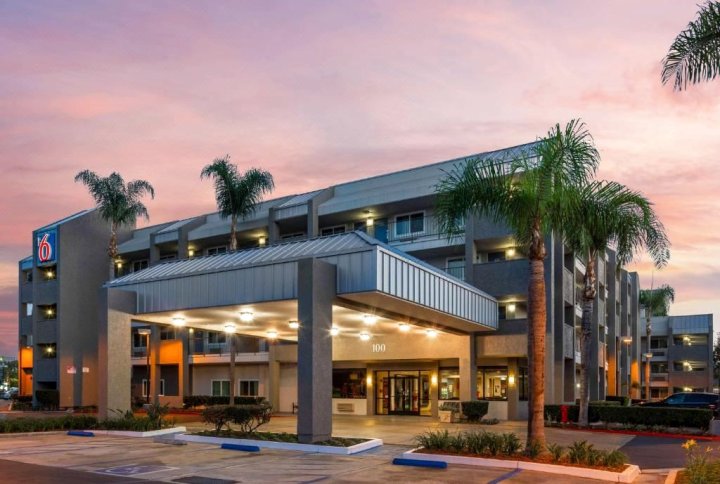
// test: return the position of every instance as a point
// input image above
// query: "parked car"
(689, 400)
(9, 393)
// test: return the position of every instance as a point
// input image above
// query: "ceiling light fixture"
(246, 316)
(272, 334)
(369, 319)
(229, 328)
(364, 336)
(178, 322)
(334, 331)
(294, 324)
(404, 327)
(431, 333)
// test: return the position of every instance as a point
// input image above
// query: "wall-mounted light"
(404, 327)
(191, 330)
(262, 241)
(144, 331)
(272, 334)
(334, 331)
(648, 355)
(246, 316)
(433, 379)
(364, 336)
(178, 322)
(577, 385)
(627, 340)
(50, 274)
(431, 333)
(511, 307)
(293, 324)
(511, 380)
(510, 252)
(49, 350)
(191, 252)
(229, 328)
(370, 221)
(369, 319)
(368, 380)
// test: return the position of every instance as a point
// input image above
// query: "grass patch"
(279, 437)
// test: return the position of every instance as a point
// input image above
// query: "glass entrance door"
(402, 393)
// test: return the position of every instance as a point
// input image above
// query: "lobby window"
(167, 333)
(220, 388)
(523, 383)
(338, 229)
(413, 223)
(349, 383)
(139, 265)
(221, 249)
(249, 388)
(145, 388)
(48, 350)
(449, 384)
(492, 383)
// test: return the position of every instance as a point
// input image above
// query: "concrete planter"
(265, 444)
(150, 433)
(630, 473)
(447, 416)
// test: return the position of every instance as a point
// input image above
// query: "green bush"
(247, 417)
(624, 401)
(475, 410)
(68, 422)
(648, 416)
(556, 451)
(533, 449)
(511, 444)
(192, 401)
(434, 440)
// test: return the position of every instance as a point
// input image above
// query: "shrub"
(249, 417)
(156, 413)
(475, 410)
(646, 416)
(47, 399)
(624, 401)
(68, 422)
(578, 452)
(495, 443)
(615, 459)
(510, 444)
(699, 468)
(534, 449)
(474, 442)
(192, 401)
(458, 442)
(556, 451)
(434, 440)
(217, 416)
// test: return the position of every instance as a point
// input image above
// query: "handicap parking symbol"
(133, 470)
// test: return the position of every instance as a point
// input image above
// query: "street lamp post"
(146, 332)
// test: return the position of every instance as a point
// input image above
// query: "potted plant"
(449, 412)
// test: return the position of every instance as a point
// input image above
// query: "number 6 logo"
(44, 248)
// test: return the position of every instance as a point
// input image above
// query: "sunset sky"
(321, 92)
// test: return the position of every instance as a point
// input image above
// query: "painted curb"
(399, 461)
(265, 444)
(240, 447)
(150, 433)
(80, 433)
(626, 476)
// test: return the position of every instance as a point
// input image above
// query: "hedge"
(662, 416)
(475, 410)
(248, 417)
(208, 400)
(69, 422)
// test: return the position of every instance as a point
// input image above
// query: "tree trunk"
(112, 249)
(233, 233)
(589, 293)
(232, 368)
(537, 322)
(648, 332)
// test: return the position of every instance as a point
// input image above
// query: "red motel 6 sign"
(45, 246)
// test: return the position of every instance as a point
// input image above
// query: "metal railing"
(458, 272)
(409, 231)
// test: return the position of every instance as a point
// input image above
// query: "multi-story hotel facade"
(348, 297)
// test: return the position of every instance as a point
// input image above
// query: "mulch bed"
(541, 459)
(645, 433)
(280, 437)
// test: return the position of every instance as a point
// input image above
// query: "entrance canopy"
(370, 276)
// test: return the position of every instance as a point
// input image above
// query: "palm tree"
(656, 303)
(694, 55)
(608, 214)
(117, 202)
(237, 194)
(524, 193)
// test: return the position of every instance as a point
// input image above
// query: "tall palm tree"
(656, 303)
(525, 194)
(694, 55)
(237, 194)
(608, 214)
(117, 202)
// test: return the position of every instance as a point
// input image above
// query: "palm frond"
(694, 55)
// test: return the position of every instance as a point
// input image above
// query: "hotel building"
(348, 298)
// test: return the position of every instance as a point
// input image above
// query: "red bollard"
(564, 414)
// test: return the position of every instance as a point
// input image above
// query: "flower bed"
(505, 450)
(282, 441)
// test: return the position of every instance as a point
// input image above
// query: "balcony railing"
(458, 272)
(410, 231)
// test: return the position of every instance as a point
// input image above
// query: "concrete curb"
(626, 476)
(265, 444)
(150, 433)
(672, 476)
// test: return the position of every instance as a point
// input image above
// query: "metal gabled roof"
(64, 220)
(299, 199)
(321, 246)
